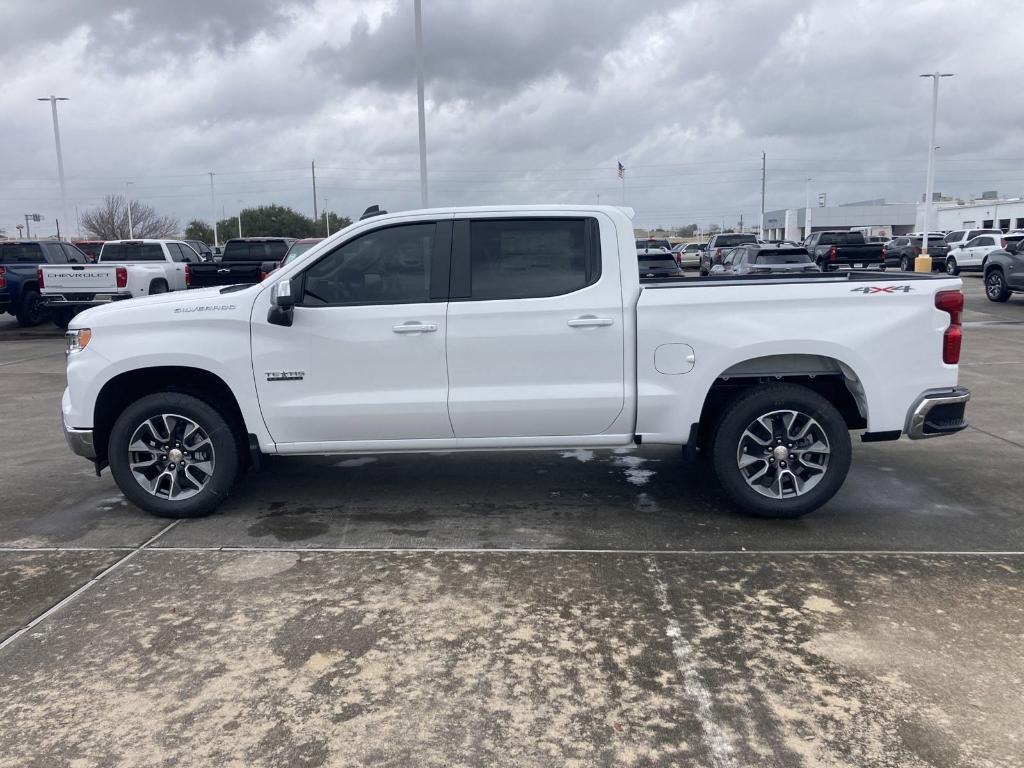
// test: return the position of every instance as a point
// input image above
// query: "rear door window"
(784, 256)
(532, 258)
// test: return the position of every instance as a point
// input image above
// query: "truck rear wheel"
(781, 450)
(173, 455)
(31, 310)
(62, 317)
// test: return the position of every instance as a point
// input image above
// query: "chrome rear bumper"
(938, 412)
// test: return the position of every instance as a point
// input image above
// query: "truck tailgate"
(76, 278)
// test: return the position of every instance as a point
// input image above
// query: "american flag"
(622, 171)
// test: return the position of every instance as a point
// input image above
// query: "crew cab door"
(535, 327)
(364, 358)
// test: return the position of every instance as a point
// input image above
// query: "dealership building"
(990, 212)
(883, 218)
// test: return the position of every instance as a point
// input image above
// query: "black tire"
(62, 317)
(952, 268)
(225, 445)
(727, 445)
(31, 310)
(157, 286)
(996, 288)
(905, 264)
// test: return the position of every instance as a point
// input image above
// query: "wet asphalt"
(560, 608)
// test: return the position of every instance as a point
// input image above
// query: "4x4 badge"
(882, 289)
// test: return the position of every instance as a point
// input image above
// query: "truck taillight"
(3, 278)
(188, 276)
(263, 275)
(885, 251)
(833, 253)
(953, 303)
(718, 255)
(917, 251)
(122, 277)
(1002, 243)
(39, 278)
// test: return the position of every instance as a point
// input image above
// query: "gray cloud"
(527, 102)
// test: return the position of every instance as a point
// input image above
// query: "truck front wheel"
(173, 455)
(781, 450)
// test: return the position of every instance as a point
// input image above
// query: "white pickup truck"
(125, 269)
(506, 328)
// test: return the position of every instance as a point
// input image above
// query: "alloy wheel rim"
(995, 284)
(950, 266)
(783, 454)
(171, 457)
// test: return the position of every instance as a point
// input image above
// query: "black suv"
(718, 246)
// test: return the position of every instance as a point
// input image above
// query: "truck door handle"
(414, 327)
(589, 320)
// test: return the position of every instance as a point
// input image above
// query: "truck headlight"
(77, 340)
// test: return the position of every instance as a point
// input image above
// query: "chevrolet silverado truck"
(20, 261)
(245, 260)
(125, 269)
(511, 328)
(843, 250)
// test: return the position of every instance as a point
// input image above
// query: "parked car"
(204, 251)
(657, 262)
(971, 256)
(960, 237)
(1004, 270)
(299, 247)
(718, 246)
(687, 254)
(20, 261)
(91, 248)
(126, 269)
(902, 251)
(650, 242)
(837, 249)
(245, 260)
(510, 327)
(764, 259)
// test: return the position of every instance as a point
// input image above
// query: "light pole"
(239, 219)
(128, 199)
(60, 159)
(213, 212)
(923, 263)
(807, 208)
(419, 99)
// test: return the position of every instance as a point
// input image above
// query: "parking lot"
(568, 608)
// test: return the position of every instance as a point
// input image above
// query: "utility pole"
(923, 263)
(312, 166)
(418, 13)
(78, 223)
(60, 160)
(764, 166)
(213, 212)
(128, 199)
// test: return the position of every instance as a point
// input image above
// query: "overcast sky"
(528, 101)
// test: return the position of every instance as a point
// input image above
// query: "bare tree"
(109, 220)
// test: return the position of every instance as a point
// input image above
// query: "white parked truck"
(125, 269)
(507, 328)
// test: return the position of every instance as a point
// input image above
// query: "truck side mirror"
(282, 304)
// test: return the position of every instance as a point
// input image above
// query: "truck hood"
(108, 313)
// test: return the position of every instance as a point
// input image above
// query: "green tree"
(199, 230)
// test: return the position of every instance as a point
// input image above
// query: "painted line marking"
(719, 749)
(85, 587)
(536, 551)
(28, 359)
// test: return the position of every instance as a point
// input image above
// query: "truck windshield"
(21, 253)
(784, 256)
(270, 250)
(656, 259)
(723, 241)
(131, 252)
(841, 238)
